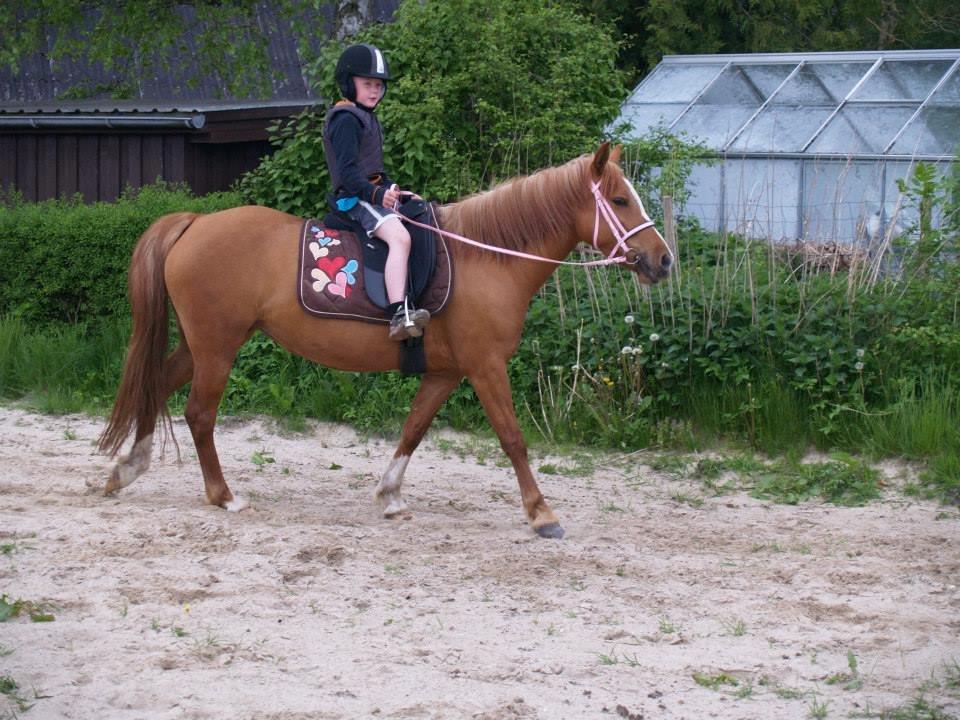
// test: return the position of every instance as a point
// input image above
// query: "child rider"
(353, 140)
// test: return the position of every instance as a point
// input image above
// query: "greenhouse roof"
(897, 104)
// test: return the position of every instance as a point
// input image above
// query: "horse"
(229, 274)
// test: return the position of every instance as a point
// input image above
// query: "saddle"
(341, 269)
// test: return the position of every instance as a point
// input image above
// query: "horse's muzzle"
(654, 272)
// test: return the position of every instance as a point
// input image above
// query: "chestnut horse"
(231, 273)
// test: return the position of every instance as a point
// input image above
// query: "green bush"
(484, 90)
(64, 261)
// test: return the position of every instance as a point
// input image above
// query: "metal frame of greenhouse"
(810, 145)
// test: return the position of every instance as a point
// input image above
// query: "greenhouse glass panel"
(902, 80)
(839, 198)
(838, 78)
(781, 129)
(733, 87)
(705, 183)
(644, 117)
(761, 198)
(898, 216)
(933, 132)
(766, 78)
(862, 129)
(713, 125)
(821, 84)
(676, 83)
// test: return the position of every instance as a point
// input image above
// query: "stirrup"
(408, 323)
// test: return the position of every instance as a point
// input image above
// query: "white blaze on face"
(646, 218)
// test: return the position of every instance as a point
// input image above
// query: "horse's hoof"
(394, 508)
(551, 531)
(237, 504)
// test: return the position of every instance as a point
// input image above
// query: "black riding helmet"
(363, 60)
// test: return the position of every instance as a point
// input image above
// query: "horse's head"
(621, 226)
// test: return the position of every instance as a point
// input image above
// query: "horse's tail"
(141, 396)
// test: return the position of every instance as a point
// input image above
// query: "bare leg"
(395, 235)
(434, 390)
(493, 388)
(177, 369)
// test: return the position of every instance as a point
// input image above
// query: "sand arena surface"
(311, 605)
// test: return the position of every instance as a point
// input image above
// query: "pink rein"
(603, 208)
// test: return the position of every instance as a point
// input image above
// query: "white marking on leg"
(132, 466)
(388, 489)
(237, 504)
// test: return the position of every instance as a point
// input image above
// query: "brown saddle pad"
(331, 279)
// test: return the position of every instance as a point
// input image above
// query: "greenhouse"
(809, 146)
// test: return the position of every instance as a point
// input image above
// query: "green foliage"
(139, 38)
(726, 26)
(294, 178)
(843, 481)
(519, 85)
(62, 260)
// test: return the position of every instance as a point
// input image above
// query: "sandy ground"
(310, 605)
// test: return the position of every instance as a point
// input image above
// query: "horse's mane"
(527, 212)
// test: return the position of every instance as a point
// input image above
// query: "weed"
(715, 682)
(611, 507)
(818, 709)
(667, 627)
(10, 688)
(261, 458)
(843, 481)
(38, 612)
(610, 659)
(178, 631)
(735, 627)
(684, 499)
(850, 680)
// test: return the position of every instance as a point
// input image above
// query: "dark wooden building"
(99, 148)
(178, 127)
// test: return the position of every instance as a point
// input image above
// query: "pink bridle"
(603, 209)
(620, 233)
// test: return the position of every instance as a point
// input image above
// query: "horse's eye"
(621, 201)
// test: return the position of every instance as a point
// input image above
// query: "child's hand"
(391, 198)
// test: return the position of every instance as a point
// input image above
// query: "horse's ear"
(600, 158)
(615, 154)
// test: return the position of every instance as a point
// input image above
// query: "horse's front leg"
(434, 390)
(493, 388)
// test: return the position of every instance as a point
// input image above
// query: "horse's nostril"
(666, 260)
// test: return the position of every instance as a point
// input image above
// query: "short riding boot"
(407, 323)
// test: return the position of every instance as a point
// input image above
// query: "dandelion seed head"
(629, 319)
(861, 352)
(654, 337)
(858, 367)
(626, 350)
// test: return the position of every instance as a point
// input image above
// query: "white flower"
(627, 350)
(861, 352)
(654, 337)
(638, 350)
(858, 367)
(629, 319)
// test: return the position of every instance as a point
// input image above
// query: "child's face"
(369, 90)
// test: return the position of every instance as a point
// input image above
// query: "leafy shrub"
(64, 261)
(516, 86)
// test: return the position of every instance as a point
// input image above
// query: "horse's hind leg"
(210, 375)
(434, 390)
(177, 369)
